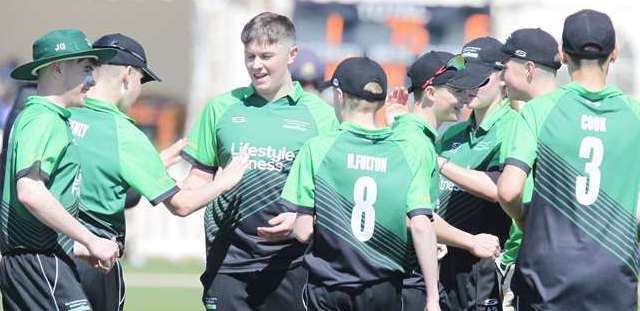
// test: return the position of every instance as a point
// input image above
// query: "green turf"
(160, 299)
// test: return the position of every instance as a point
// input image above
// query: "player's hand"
(281, 227)
(230, 175)
(105, 251)
(441, 251)
(171, 155)
(485, 246)
(396, 104)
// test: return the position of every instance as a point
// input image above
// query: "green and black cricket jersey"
(475, 147)
(579, 251)
(512, 245)
(40, 144)
(419, 126)
(114, 155)
(361, 185)
(272, 132)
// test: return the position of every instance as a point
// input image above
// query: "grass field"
(162, 285)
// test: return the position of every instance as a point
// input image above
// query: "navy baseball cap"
(307, 66)
(427, 67)
(129, 53)
(484, 55)
(473, 76)
(487, 51)
(353, 74)
(588, 34)
(533, 44)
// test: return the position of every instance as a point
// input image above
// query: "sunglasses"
(455, 63)
(114, 45)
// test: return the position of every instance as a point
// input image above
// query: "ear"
(429, 94)
(340, 95)
(293, 52)
(126, 76)
(530, 69)
(563, 58)
(57, 67)
(614, 55)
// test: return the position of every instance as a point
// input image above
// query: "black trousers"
(263, 291)
(384, 296)
(38, 281)
(105, 291)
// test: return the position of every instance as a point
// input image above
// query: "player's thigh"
(278, 290)
(381, 296)
(317, 298)
(41, 282)
(105, 291)
(227, 292)
(413, 299)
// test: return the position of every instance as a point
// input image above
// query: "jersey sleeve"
(141, 166)
(323, 114)
(507, 142)
(522, 147)
(419, 202)
(202, 147)
(39, 145)
(299, 189)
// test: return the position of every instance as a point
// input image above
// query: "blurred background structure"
(194, 45)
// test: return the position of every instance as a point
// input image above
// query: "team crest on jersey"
(454, 147)
(484, 145)
(238, 119)
(296, 125)
(78, 129)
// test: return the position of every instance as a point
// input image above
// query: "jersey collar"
(421, 123)
(493, 117)
(374, 134)
(294, 95)
(99, 105)
(39, 100)
(607, 91)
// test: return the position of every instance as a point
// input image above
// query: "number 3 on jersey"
(365, 193)
(590, 148)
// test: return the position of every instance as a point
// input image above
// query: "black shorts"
(265, 290)
(470, 286)
(32, 281)
(378, 296)
(105, 291)
(414, 298)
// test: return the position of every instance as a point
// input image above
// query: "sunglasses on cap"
(114, 45)
(456, 63)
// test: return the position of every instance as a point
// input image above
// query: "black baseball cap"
(473, 76)
(426, 67)
(533, 44)
(484, 56)
(129, 53)
(352, 74)
(588, 34)
(487, 51)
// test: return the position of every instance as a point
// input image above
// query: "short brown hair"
(269, 28)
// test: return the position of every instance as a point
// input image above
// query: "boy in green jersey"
(434, 104)
(42, 182)
(469, 166)
(360, 184)
(252, 263)
(116, 155)
(579, 249)
(529, 72)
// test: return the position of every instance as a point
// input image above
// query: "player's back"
(583, 211)
(363, 184)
